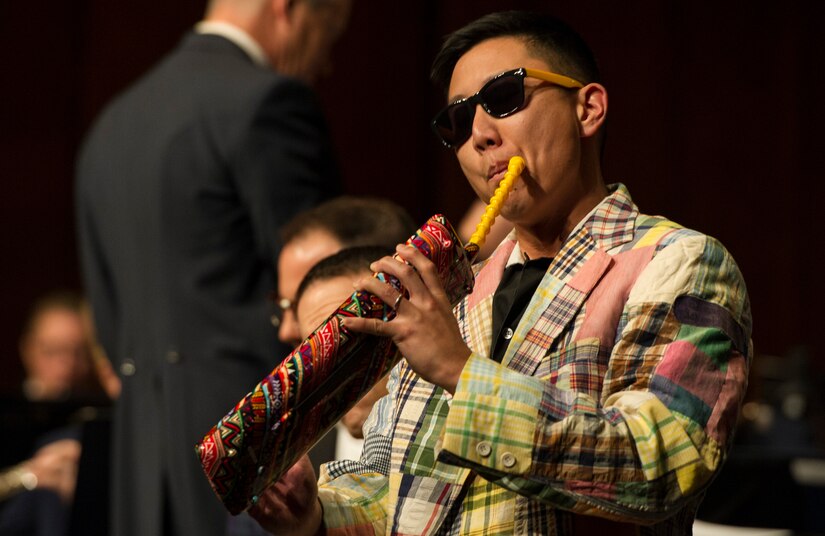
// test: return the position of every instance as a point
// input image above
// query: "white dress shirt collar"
(237, 36)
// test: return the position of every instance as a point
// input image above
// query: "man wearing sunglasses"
(593, 378)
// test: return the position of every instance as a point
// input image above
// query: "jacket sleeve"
(98, 279)
(669, 401)
(354, 494)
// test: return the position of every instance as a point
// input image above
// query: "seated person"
(323, 289)
(59, 379)
(316, 233)
(54, 350)
(345, 221)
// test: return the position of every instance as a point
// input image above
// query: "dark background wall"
(715, 121)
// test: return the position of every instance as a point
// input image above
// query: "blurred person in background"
(54, 349)
(346, 221)
(326, 286)
(313, 235)
(182, 186)
(36, 493)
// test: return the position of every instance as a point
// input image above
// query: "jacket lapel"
(560, 295)
(475, 314)
(570, 278)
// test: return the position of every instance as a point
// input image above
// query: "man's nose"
(289, 331)
(485, 133)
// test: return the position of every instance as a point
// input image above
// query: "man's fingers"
(424, 267)
(405, 273)
(387, 293)
(370, 326)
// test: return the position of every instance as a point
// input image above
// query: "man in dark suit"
(182, 186)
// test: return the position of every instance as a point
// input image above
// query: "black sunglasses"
(503, 95)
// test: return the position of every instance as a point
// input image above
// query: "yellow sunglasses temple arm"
(558, 79)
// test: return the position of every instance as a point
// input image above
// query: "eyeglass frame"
(475, 99)
(280, 306)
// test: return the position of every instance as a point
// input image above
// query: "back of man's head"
(319, 232)
(547, 37)
(354, 221)
(354, 261)
(296, 36)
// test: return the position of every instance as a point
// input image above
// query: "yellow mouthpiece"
(514, 169)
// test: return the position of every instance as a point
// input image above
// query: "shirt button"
(172, 356)
(508, 460)
(127, 368)
(508, 334)
(484, 448)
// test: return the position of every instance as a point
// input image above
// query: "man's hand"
(55, 467)
(424, 328)
(290, 506)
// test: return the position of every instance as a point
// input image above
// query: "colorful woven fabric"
(304, 396)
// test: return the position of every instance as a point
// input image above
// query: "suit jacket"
(183, 184)
(612, 410)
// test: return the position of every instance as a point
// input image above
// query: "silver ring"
(397, 301)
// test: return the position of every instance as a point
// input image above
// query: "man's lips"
(496, 171)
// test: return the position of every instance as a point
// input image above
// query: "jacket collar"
(572, 274)
(610, 224)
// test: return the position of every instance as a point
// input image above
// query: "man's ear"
(592, 109)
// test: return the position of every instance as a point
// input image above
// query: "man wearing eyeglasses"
(593, 378)
(318, 233)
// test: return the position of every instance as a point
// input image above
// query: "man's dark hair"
(350, 261)
(545, 36)
(354, 221)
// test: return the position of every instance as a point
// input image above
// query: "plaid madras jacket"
(614, 405)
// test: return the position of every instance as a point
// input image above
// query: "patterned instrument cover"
(304, 396)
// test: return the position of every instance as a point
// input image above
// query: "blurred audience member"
(58, 376)
(310, 236)
(53, 467)
(40, 490)
(314, 234)
(59, 379)
(54, 349)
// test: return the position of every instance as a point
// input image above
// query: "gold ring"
(397, 301)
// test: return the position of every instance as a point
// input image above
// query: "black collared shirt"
(518, 284)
